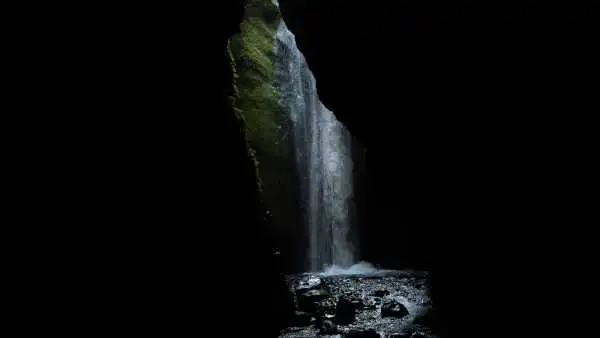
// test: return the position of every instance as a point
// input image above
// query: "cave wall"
(268, 129)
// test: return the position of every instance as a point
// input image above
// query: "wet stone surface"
(379, 304)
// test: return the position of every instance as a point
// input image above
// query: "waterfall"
(323, 158)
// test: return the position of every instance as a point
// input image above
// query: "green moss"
(256, 100)
(256, 104)
(240, 116)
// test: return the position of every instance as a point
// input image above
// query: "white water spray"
(323, 157)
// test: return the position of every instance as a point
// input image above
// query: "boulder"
(393, 308)
(328, 327)
(345, 311)
(308, 299)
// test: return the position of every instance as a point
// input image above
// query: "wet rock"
(345, 311)
(381, 293)
(308, 299)
(370, 333)
(393, 308)
(339, 294)
(328, 327)
(307, 282)
(303, 318)
(326, 307)
(370, 303)
(358, 304)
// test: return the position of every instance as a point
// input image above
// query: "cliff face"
(267, 128)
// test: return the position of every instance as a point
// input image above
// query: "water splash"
(362, 268)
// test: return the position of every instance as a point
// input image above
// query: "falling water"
(323, 158)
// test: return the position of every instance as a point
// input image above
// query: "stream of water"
(323, 159)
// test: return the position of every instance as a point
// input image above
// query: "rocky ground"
(373, 304)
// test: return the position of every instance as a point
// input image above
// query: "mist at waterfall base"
(323, 159)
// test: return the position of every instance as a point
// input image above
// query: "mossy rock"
(256, 102)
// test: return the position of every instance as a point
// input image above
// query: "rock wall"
(267, 128)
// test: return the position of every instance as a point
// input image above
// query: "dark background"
(8, 7)
(478, 149)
